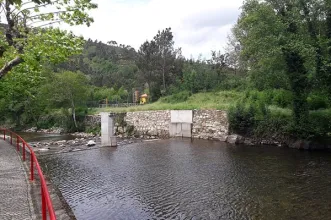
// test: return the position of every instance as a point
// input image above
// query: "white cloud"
(198, 26)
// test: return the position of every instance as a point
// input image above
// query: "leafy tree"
(24, 38)
(166, 53)
(68, 89)
(233, 50)
(147, 56)
(279, 38)
(21, 98)
(219, 63)
(160, 63)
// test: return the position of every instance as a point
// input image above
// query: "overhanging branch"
(50, 23)
(10, 65)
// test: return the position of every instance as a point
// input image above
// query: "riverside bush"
(63, 119)
(278, 97)
(254, 120)
(241, 119)
(282, 98)
(317, 101)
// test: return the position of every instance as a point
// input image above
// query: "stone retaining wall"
(149, 123)
(210, 124)
(207, 124)
(93, 120)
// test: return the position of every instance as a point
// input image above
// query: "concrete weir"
(198, 124)
(108, 138)
(181, 123)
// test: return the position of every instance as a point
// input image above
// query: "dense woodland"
(277, 58)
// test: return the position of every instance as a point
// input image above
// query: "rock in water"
(91, 143)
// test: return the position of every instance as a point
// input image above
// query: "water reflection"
(180, 179)
(35, 136)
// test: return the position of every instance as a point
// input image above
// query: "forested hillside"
(106, 65)
(157, 68)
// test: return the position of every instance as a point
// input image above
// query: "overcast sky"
(199, 26)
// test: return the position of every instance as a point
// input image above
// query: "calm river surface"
(180, 179)
(35, 136)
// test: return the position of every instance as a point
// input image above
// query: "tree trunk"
(297, 73)
(326, 77)
(299, 84)
(74, 114)
(150, 90)
(10, 65)
(163, 75)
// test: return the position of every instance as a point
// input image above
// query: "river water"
(180, 179)
(36, 137)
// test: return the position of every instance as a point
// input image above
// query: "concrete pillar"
(108, 138)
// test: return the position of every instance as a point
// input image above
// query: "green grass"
(209, 100)
(221, 100)
(280, 111)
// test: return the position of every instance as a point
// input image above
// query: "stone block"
(223, 138)
(233, 139)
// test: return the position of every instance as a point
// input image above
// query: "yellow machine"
(143, 99)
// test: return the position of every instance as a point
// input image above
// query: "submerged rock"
(234, 139)
(223, 138)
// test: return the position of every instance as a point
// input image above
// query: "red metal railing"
(46, 202)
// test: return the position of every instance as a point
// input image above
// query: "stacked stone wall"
(207, 124)
(210, 124)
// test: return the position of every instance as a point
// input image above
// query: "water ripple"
(174, 179)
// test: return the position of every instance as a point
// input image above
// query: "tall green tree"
(19, 98)
(159, 62)
(26, 39)
(166, 53)
(146, 62)
(285, 40)
(68, 89)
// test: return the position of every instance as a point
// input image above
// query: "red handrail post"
(17, 144)
(11, 138)
(23, 150)
(43, 204)
(31, 166)
(4, 134)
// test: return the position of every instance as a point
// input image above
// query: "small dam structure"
(181, 123)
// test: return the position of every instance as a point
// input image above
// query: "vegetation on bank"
(262, 115)
(183, 101)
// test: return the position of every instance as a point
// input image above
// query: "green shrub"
(63, 119)
(130, 130)
(274, 126)
(177, 97)
(282, 98)
(96, 130)
(319, 124)
(317, 101)
(255, 120)
(233, 82)
(52, 119)
(278, 97)
(241, 119)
